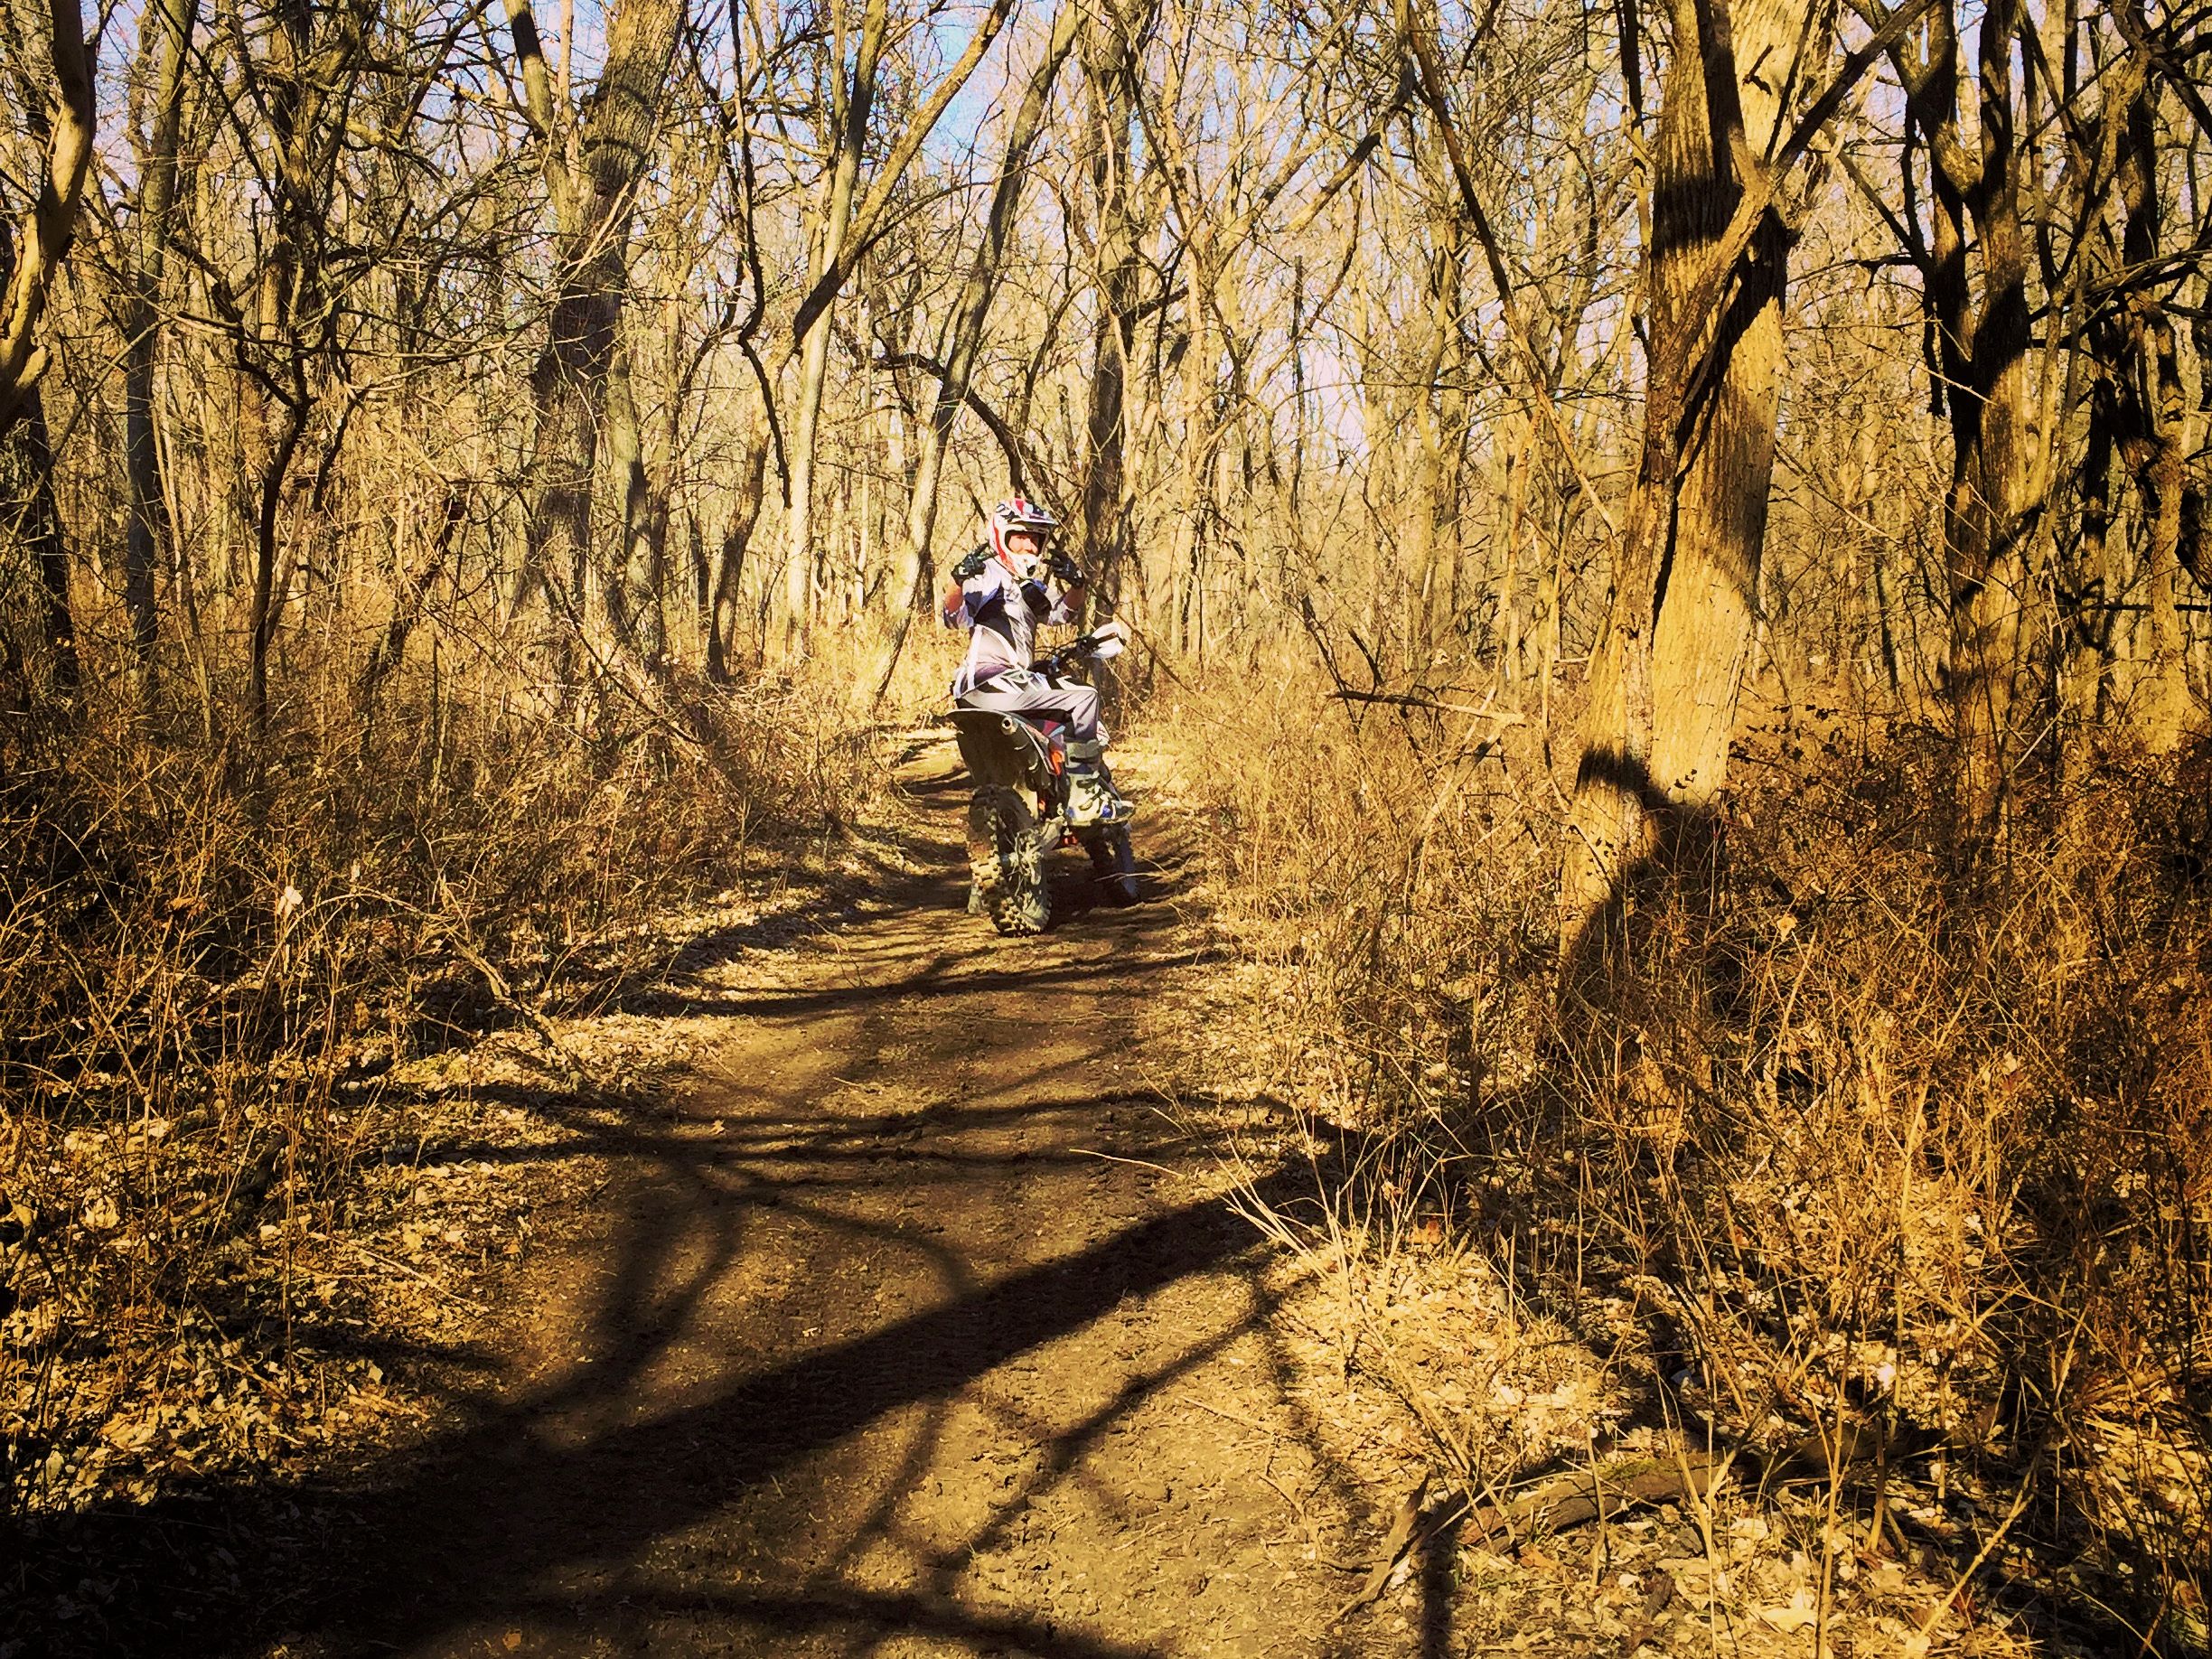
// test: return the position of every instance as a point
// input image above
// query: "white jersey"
(1001, 613)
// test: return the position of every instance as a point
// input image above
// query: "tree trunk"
(970, 320)
(1519, 454)
(569, 391)
(730, 557)
(1186, 558)
(267, 593)
(1986, 386)
(1111, 42)
(2165, 714)
(829, 244)
(636, 590)
(36, 520)
(1443, 430)
(1992, 506)
(2086, 612)
(2155, 434)
(411, 585)
(1668, 669)
(166, 28)
(33, 257)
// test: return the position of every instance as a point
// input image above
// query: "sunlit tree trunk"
(165, 33)
(593, 205)
(1993, 501)
(1443, 428)
(1667, 674)
(1515, 445)
(34, 256)
(636, 593)
(829, 244)
(2086, 612)
(1110, 49)
(2156, 436)
(750, 485)
(970, 318)
(1199, 358)
(1987, 386)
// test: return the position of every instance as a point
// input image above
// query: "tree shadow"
(469, 1527)
(806, 1263)
(1439, 1583)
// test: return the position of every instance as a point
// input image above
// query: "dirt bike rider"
(1003, 590)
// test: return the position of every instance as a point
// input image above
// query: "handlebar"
(1100, 645)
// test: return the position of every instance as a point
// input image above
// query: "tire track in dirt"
(905, 1332)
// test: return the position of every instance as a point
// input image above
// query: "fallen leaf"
(1801, 1614)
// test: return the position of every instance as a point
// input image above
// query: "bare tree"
(970, 316)
(593, 164)
(1669, 667)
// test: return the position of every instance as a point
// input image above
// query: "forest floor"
(903, 1302)
(912, 1326)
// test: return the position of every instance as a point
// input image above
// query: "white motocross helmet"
(1020, 514)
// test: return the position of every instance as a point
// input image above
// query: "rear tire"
(1004, 862)
(1113, 864)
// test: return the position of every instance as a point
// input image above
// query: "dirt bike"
(1015, 761)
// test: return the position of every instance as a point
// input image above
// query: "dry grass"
(215, 953)
(1899, 1173)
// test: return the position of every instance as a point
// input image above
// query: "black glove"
(1064, 567)
(971, 566)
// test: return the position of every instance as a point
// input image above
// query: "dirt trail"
(906, 1333)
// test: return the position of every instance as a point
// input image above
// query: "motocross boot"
(1092, 799)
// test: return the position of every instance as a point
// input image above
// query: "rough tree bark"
(1112, 45)
(167, 38)
(593, 196)
(750, 490)
(1986, 383)
(37, 248)
(2154, 433)
(856, 101)
(1664, 679)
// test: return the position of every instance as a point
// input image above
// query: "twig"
(1399, 700)
(1135, 1163)
(2019, 1502)
(565, 1061)
(1597, 1494)
(400, 1267)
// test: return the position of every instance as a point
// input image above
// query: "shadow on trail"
(506, 1506)
(726, 1356)
(465, 1529)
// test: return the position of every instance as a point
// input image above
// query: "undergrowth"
(1899, 1163)
(215, 947)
